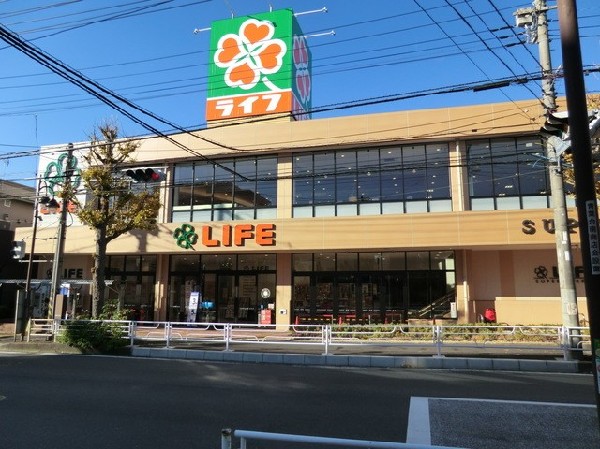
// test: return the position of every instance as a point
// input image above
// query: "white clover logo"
(251, 53)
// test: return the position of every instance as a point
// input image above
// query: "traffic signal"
(145, 175)
(556, 124)
(17, 250)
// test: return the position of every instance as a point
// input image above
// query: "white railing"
(438, 339)
(227, 436)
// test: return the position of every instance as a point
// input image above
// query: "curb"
(38, 348)
(367, 361)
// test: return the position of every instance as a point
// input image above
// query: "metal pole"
(566, 275)
(587, 206)
(226, 438)
(59, 250)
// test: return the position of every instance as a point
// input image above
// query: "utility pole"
(59, 249)
(36, 217)
(587, 204)
(536, 18)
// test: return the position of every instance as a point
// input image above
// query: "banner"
(192, 308)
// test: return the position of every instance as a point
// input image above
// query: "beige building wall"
(495, 259)
(443, 124)
(513, 283)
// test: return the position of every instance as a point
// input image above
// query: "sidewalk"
(359, 356)
(491, 424)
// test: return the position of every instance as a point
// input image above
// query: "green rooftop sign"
(259, 64)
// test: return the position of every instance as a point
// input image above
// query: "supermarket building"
(378, 218)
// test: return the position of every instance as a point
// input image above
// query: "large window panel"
(480, 169)
(506, 173)
(185, 263)
(369, 209)
(417, 260)
(393, 261)
(324, 183)
(532, 167)
(391, 174)
(389, 180)
(438, 172)
(223, 185)
(415, 175)
(302, 262)
(245, 184)
(303, 179)
(266, 182)
(369, 184)
(225, 190)
(203, 184)
(346, 210)
(324, 262)
(182, 188)
(347, 261)
(346, 177)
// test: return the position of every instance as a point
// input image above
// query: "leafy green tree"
(111, 208)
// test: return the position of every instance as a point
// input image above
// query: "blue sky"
(147, 52)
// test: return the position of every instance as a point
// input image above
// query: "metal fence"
(227, 436)
(438, 339)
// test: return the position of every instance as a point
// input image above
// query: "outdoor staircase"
(440, 308)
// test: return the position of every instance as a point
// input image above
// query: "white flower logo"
(251, 53)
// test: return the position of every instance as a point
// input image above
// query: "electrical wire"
(357, 103)
(95, 88)
(367, 66)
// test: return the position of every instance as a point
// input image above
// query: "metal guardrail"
(245, 435)
(438, 338)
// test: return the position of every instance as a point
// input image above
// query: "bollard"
(168, 334)
(438, 331)
(227, 330)
(132, 329)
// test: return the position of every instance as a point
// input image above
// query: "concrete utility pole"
(587, 204)
(59, 250)
(536, 18)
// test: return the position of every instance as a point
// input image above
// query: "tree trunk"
(99, 274)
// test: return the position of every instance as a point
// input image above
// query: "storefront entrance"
(229, 288)
(395, 294)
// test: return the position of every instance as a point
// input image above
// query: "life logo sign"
(262, 234)
(253, 70)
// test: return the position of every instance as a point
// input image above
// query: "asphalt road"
(74, 401)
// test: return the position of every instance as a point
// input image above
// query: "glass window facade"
(381, 287)
(237, 189)
(134, 279)
(376, 181)
(507, 173)
(229, 285)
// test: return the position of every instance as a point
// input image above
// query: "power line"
(93, 87)
(347, 62)
(347, 105)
